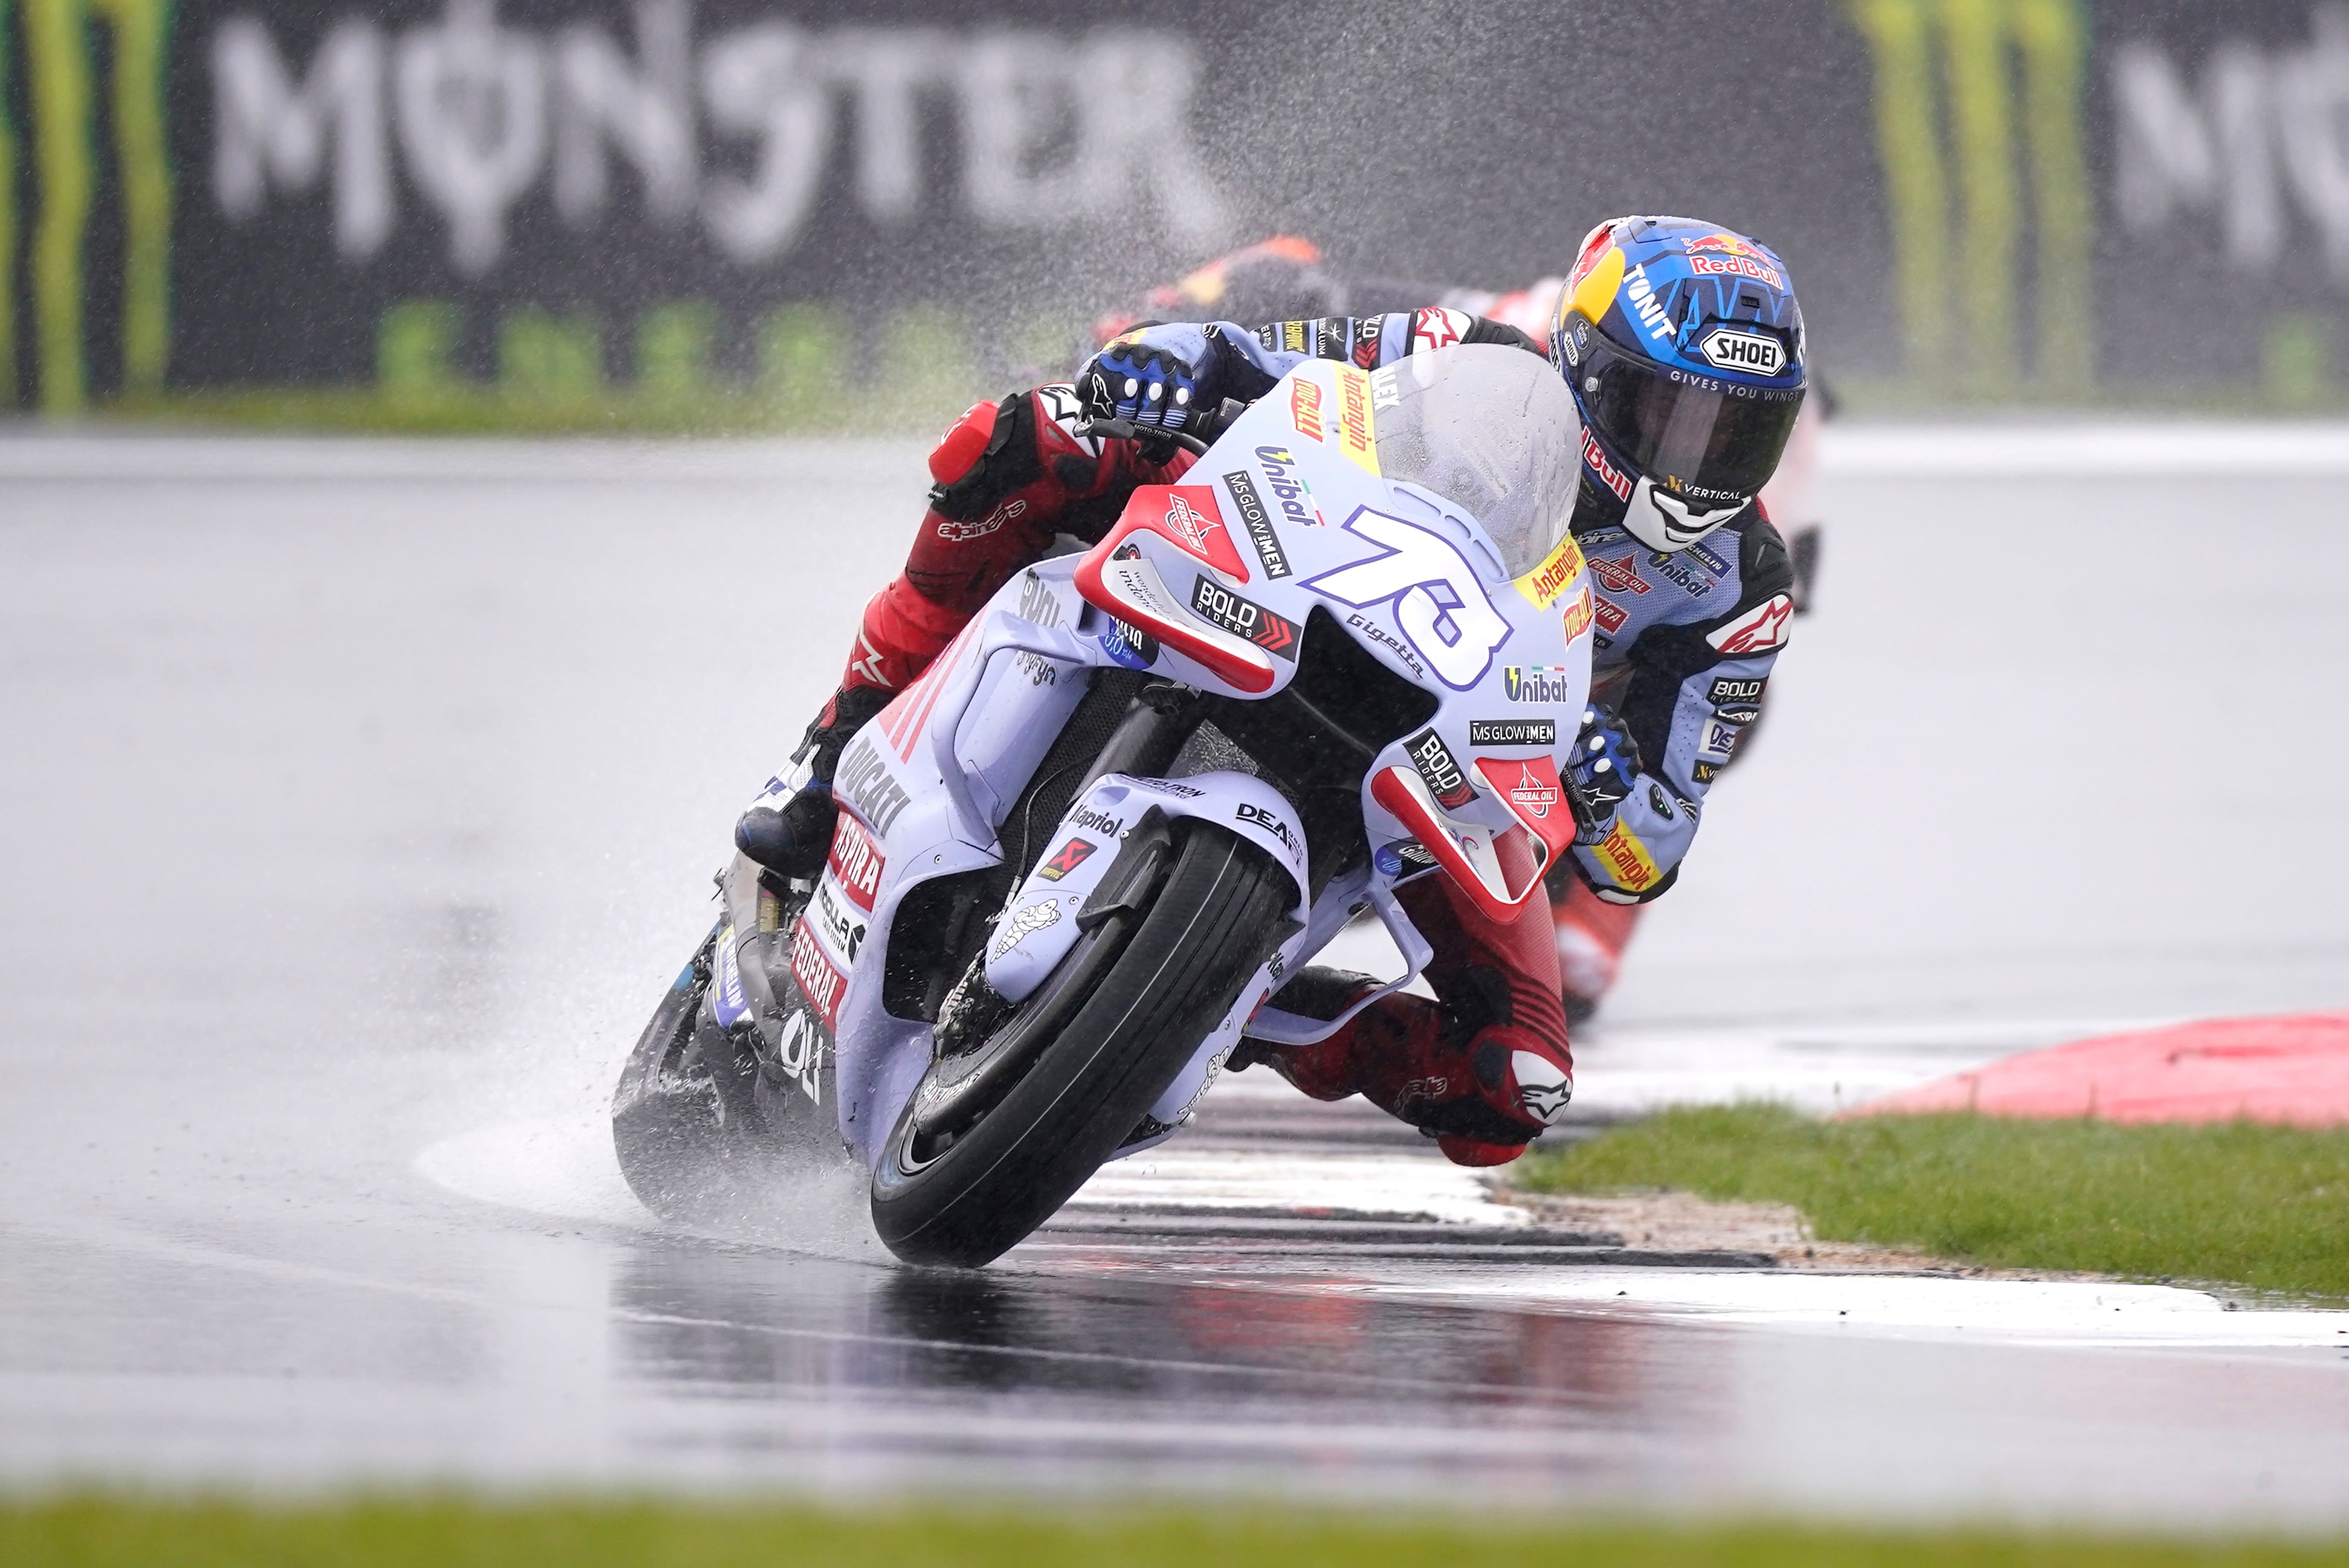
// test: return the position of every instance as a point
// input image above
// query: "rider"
(1286, 277)
(1682, 345)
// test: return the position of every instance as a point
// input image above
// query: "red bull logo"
(1730, 244)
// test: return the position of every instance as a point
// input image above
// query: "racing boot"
(787, 830)
(1591, 936)
(1461, 1072)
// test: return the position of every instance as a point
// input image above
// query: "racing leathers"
(1682, 652)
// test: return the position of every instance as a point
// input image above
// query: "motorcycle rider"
(1286, 277)
(1682, 345)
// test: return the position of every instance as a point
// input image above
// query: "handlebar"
(1158, 443)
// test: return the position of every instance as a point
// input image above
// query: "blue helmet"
(1684, 345)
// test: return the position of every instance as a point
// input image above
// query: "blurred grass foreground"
(2237, 1203)
(93, 1532)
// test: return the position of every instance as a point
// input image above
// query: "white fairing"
(1353, 501)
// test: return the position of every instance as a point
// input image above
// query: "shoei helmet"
(1683, 345)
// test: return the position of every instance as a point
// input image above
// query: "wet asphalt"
(359, 810)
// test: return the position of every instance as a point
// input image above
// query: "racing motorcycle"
(1079, 855)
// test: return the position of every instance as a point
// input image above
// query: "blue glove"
(1605, 763)
(1152, 376)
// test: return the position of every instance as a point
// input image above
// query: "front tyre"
(965, 1201)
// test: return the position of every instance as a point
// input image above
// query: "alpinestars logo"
(1758, 629)
(956, 533)
(1435, 328)
(1543, 1087)
(1620, 576)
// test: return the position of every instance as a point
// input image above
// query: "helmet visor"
(1712, 440)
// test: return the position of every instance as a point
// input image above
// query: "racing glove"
(1630, 831)
(1160, 376)
(1605, 766)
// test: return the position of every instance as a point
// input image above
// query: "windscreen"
(1494, 430)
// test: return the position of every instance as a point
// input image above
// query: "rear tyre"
(966, 1198)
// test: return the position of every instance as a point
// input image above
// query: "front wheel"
(965, 1195)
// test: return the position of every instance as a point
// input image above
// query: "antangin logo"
(1545, 584)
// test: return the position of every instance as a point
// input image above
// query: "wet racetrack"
(362, 799)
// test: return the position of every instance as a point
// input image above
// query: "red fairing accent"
(962, 444)
(1195, 521)
(1536, 797)
(1512, 848)
(1145, 513)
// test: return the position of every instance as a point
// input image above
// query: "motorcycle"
(1080, 855)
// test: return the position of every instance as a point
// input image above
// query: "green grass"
(2239, 1204)
(100, 1533)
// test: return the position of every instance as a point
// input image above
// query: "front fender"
(1039, 925)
